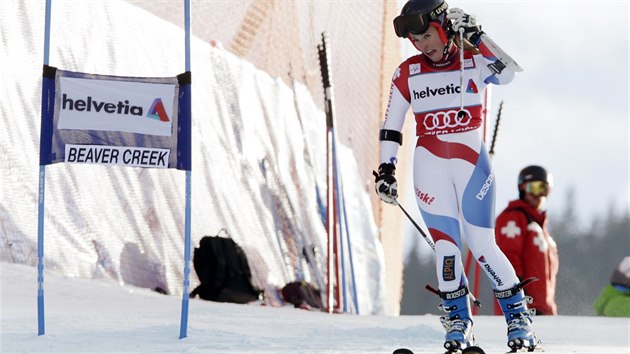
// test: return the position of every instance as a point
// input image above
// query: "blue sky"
(568, 110)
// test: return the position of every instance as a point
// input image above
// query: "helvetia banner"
(122, 106)
(114, 120)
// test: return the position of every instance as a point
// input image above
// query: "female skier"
(453, 179)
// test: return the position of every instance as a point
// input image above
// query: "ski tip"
(402, 351)
(473, 350)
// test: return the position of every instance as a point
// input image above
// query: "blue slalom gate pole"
(187, 33)
(47, 33)
(187, 245)
(41, 323)
(187, 242)
(324, 62)
(341, 209)
(339, 217)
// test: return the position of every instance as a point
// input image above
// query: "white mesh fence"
(258, 148)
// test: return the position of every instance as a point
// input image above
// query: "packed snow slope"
(100, 316)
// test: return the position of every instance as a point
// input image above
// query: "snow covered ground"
(97, 316)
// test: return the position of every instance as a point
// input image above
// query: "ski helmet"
(417, 15)
(533, 173)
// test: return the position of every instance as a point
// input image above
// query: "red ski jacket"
(521, 233)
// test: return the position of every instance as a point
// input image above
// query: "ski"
(402, 351)
(469, 350)
(536, 349)
(500, 54)
(473, 350)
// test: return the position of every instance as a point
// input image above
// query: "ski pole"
(496, 129)
(424, 234)
(461, 73)
(461, 114)
(432, 244)
(426, 237)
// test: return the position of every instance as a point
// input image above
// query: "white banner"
(108, 105)
(117, 155)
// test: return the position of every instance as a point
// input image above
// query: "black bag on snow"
(302, 295)
(222, 268)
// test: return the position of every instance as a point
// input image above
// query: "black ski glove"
(386, 186)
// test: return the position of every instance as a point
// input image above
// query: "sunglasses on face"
(537, 188)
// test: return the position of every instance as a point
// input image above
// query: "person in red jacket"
(521, 233)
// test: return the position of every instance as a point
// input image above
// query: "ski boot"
(514, 305)
(458, 321)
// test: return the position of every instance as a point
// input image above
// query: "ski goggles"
(418, 23)
(537, 188)
(411, 24)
